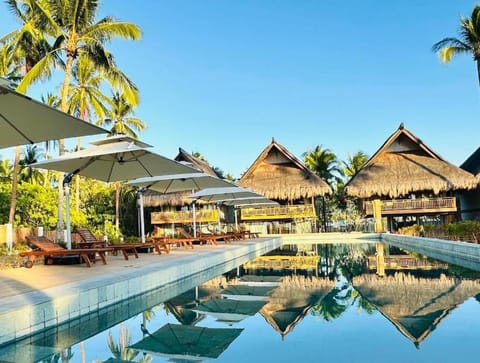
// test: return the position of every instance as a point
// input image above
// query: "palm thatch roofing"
(404, 164)
(292, 300)
(278, 174)
(152, 198)
(415, 305)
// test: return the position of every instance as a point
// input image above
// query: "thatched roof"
(404, 164)
(278, 174)
(293, 299)
(196, 162)
(152, 198)
(415, 305)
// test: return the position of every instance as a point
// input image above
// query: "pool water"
(301, 303)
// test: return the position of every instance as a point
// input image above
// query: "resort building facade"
(278, 175)
(405, 182)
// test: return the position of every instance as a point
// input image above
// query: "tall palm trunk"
(77, 181)
(118, 188)
(16, 168)
(61, 145)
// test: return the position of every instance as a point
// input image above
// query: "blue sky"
(224, 77)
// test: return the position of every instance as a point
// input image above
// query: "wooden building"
(278, 175)
(408, 183)
(470, 199)
(166, 207)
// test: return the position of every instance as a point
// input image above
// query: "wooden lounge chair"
(89, 240)
(208, 238)
(170, 241)
(48, 250)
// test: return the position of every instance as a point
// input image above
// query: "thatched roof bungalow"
(152, 198)
(470, 200)
(278, 174)
(404, 165)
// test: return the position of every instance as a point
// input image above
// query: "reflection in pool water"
(302, 303)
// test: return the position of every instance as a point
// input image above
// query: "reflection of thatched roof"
(278, 174)
(180, 305)
(292, 300)
(414, 305)
(405, 164)
(152, 198)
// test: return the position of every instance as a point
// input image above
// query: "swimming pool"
(303, 302)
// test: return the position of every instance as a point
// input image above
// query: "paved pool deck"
(32, 300)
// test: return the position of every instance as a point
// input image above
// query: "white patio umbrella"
(26, 121)
(180, 183)
(112, 159)
(219, 195)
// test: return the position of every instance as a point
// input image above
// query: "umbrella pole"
(142, 218)
(66, 188)
(236, 219)
(194, 220)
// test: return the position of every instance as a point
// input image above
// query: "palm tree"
(9, 67)
(121, 121)
(84, 99)
(6, 171)
(324, 163)
(121, 350)
(468, 41)
(76, 33)
(120, 117)
(354, 163)
(31, 155)
(28, 43)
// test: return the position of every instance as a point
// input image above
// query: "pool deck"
(32, 300)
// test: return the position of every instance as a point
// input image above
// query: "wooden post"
(377, 215)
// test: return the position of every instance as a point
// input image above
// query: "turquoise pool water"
(301, 303)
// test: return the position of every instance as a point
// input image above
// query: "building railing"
(425, 205)
(278, 212)
(201, 216)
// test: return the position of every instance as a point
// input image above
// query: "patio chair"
(89, 240)
(175, 241)
(204, 237)
(48, 250)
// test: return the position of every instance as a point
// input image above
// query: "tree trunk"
(61, 146)
(13, 201)
(118, 188)
(77, 182)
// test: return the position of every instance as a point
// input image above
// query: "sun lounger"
(126, 248)
(48, 250)
(176, 241)
(205, 237)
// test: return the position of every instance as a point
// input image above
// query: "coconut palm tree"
(31, 155)
(120, 117)
(85, 99)
(28, 44)
(324, 163)
(76, 32)
(468, 41)
(121, 121)
(6, 171)
(354, 163)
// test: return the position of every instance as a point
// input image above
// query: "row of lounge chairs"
(90, 247)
